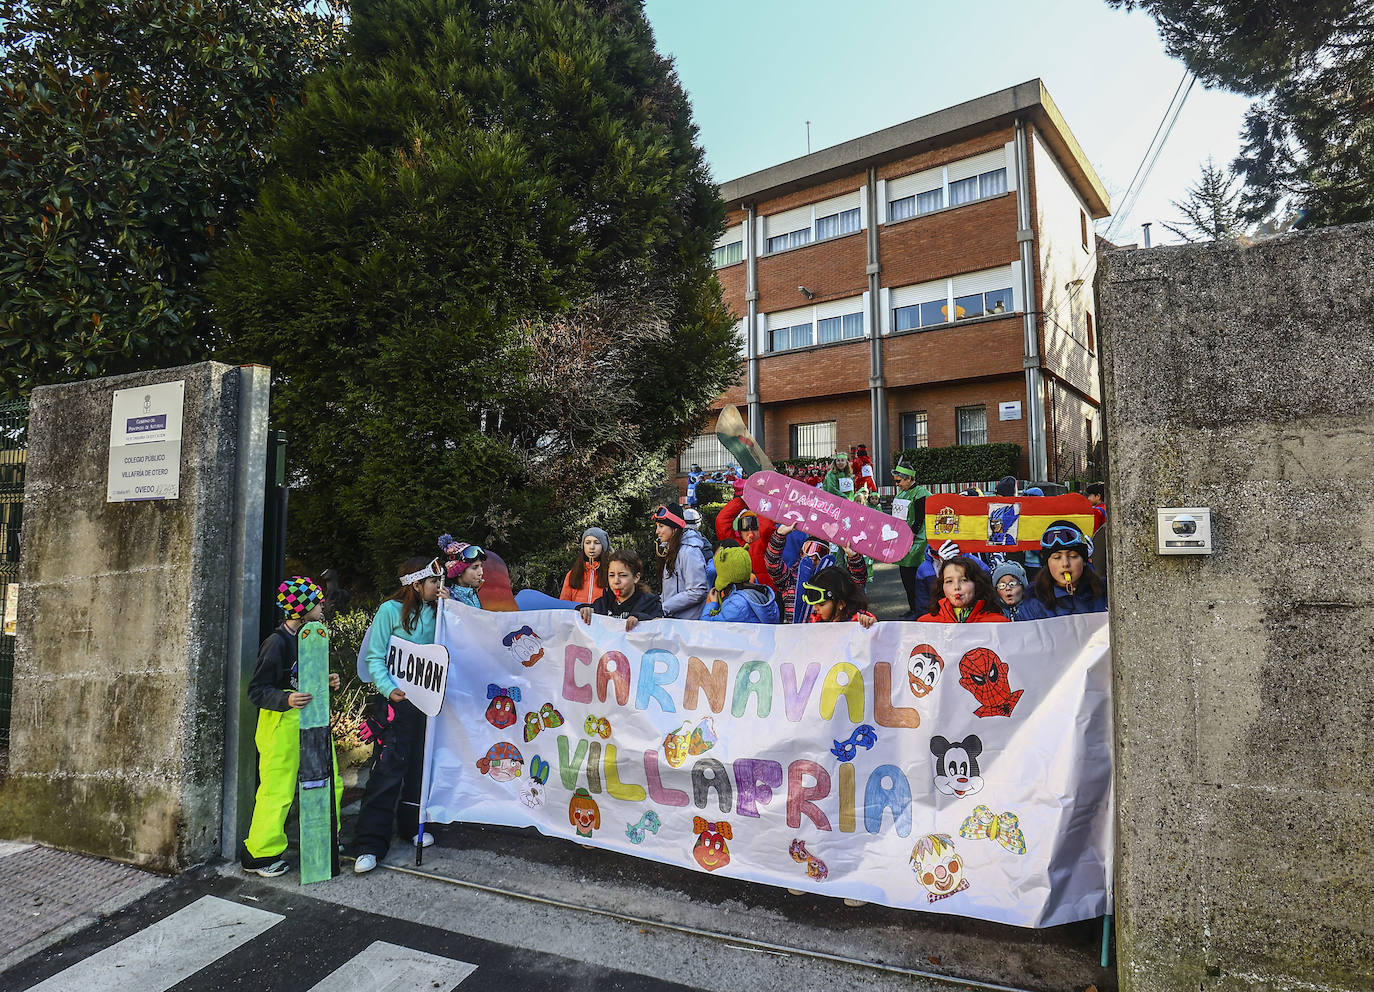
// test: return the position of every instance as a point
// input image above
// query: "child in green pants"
(278, 738)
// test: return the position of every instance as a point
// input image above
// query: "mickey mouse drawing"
(956, 765)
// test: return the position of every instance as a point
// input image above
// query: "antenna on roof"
(808, 137)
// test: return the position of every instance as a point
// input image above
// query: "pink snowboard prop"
(827, 517)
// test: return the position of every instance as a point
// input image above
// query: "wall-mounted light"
(806, 292)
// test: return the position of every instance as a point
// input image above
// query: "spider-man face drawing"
(984, 674)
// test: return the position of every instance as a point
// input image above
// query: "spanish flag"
(1001, 523)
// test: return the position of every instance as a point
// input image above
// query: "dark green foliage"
(961, 462)
(1211, 208)
(133, 135)
(480, 274)
(1308, 145)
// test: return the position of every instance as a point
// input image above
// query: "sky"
(757, 70)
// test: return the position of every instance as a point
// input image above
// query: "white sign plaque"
(1009, 411)
(145, 443)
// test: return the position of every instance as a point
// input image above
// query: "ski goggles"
(814, 595)
(472, 553)
(1065, 536)
(746, 521)
(431, 571)
(667, 516)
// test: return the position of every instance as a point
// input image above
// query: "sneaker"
(276, 868)
(364, 864)
(796, 892)
(855, 902)
(429, 839)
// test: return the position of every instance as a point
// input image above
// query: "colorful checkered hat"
(298, 595)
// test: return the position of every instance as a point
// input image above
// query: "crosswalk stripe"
(170, 950)
(383, 967)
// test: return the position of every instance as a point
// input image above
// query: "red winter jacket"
(725, 531)
(945, 614)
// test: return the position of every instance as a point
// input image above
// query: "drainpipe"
(1025, 238)
(751, 321)
(877, 385)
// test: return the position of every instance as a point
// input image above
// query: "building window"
(930, 201)
(833, 225)
(851, 325)
(971, 424)
(812, 440)
(913, 206)
(794, 239)
(982, 304)
(920, 315)
(706, 451)
(728, 254)
(783, 338)
(992, 183)
(978, 187)
(1088, 325)
(914, 430)
(1083, 227)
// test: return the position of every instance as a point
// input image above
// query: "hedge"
(962, 462)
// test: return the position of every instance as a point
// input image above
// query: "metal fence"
(14, 423)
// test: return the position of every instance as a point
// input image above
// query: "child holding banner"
(278, 738)
(815, 555)
(391, 801)
(837, 597)
(628, 598)
(964, 592)
(1066, 584)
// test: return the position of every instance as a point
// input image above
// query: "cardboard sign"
(734, 434)
(421, 671)
(1002, 523)
(828, 517)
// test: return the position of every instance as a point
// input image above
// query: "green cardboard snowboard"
(315, 782)
(734, 434)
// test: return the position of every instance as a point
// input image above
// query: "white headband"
(430, 571)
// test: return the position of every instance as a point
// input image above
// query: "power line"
(1153, 151)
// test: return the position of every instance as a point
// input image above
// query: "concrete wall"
(124, 633)
(1239, 378)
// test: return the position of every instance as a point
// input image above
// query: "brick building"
(846, 265)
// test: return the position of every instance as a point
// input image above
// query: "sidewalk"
(49, 895)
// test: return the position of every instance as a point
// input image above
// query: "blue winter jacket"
(1065, 605)
(465, 595)
(747, 604)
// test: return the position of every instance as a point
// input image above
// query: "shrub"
(962, 462)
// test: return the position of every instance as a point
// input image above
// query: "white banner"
(961, 769)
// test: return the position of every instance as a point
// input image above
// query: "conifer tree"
(1211, 208)
(490, 222)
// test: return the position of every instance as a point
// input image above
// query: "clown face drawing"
(711, 851)
(938, 867)
(923, 670)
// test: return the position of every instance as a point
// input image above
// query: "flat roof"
(986, 113)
